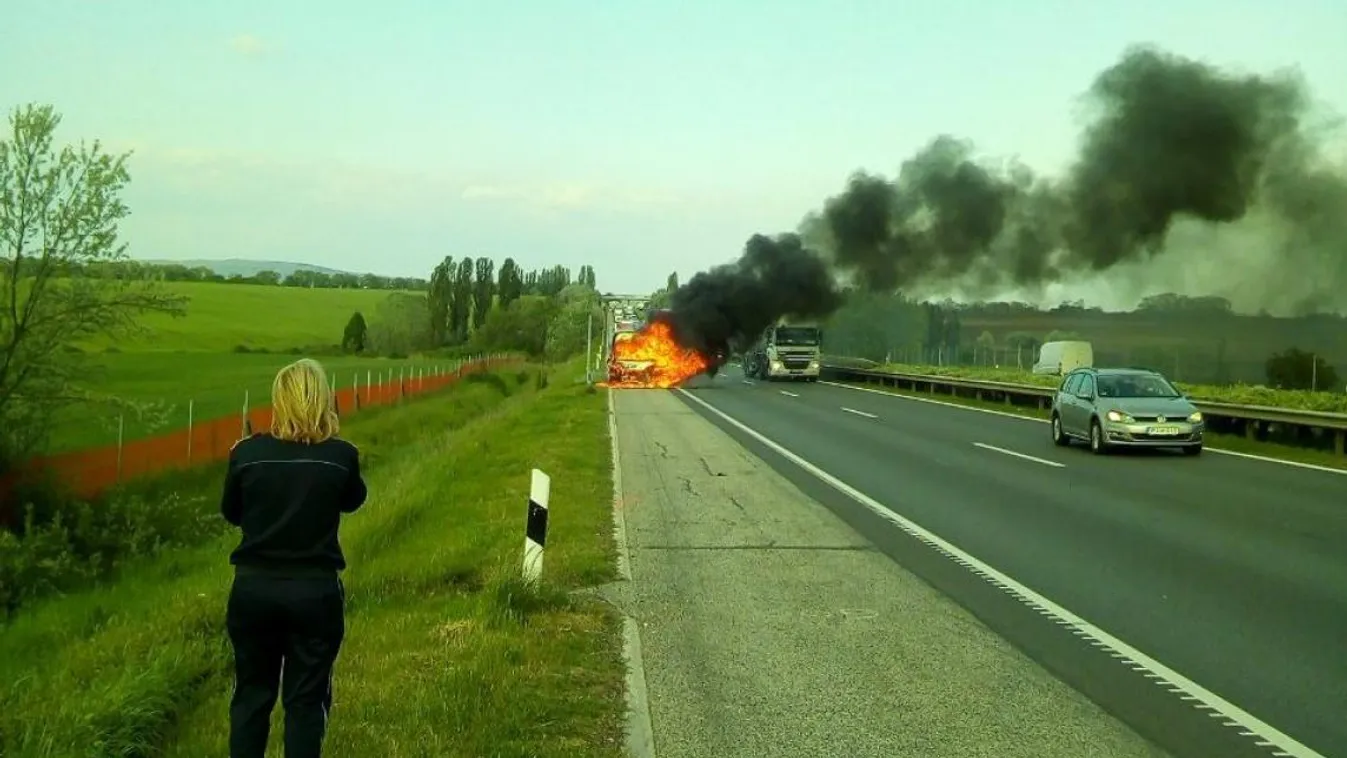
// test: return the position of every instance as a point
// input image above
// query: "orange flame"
(651, 358)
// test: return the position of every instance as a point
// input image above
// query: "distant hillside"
(237, 266)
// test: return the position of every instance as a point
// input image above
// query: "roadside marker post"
(535, 530)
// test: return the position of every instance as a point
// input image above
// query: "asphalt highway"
(1229, 571)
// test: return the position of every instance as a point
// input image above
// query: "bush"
(64, 543)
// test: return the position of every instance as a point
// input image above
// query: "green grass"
(1330, 402)
(214, 382)
(446, 654)
(1234, 443)
(222, 316)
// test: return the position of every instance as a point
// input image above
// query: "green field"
(447, 654)
(195, 359)
(223, 316)
(213, 383)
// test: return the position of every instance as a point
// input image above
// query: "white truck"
(786, 350)
(1061, 358)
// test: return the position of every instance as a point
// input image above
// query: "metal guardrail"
(1249, 419)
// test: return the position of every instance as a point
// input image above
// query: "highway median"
(448, 653)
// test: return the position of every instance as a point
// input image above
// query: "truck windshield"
(796, 335)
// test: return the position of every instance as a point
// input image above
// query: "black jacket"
(288, 498)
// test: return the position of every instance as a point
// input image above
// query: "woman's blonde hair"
(301, 404)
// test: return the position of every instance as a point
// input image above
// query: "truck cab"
(786, 350)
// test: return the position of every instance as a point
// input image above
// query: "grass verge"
(446, 654)
(1214, 440)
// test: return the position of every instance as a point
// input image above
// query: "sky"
(639, 137)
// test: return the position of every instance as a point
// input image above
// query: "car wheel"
(1058, 438)
(1097, 444)
(1192, 450)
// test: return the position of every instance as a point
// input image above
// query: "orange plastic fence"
(89, 472)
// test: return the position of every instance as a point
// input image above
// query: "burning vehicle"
(651, 358)
(625, 368)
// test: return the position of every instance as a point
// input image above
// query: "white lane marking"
(859, 413)
(1021, 417)
(1164, 676)
(745, 381)
(789, 394)
(1004, 451)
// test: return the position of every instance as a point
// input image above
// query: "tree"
(530, 282)
(566, 331)
(875, 326)
(520, 327)
(439, 300)
(484, 289)
(460, 310)
(1025, 344)
(401, 325)
(586, 277)
(353, 339)
(984, 346)
(510, 284)
(59, 214)
(671, 283)
(1296, 369)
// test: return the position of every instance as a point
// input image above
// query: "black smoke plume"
(1169, 141)
(727, 307)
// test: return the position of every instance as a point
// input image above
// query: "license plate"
(1163, 430)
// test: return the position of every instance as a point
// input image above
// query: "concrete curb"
(640, 736)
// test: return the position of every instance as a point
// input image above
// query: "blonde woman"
(287, 490)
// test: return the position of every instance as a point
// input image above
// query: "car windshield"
(796, 335)
(1141, 385)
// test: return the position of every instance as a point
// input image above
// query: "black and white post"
(535, 532)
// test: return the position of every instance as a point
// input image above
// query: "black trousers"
(286, 631)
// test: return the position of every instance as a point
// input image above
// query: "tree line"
(472, 305)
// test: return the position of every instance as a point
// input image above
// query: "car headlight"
(1196, 418)
(776, 365)
(1119, 417)
(813, 364)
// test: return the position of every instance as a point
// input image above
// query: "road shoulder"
(769, 627)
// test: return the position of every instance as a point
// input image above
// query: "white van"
(1061, 358)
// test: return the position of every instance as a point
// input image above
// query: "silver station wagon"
(1115, 407)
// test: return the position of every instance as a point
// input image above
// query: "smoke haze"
(727, 306)
(1189, 179)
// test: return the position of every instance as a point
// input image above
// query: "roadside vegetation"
(112, 609)
(448, 653)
